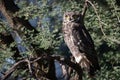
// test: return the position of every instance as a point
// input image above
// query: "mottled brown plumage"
(80, 42)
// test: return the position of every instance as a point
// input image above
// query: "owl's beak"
(68, 18)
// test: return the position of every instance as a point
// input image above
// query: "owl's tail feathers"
(84, 63)
(92, 71)
(91, 66)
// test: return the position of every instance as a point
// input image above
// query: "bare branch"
(59, 58)
(100, 23)
(14, 22)
(36, 59)
(12, 69)
(71, 64)
(84, 8)
(29, 66)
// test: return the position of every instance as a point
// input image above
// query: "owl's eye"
(66, 16)
(75, 16)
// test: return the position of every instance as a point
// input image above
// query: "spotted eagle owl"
(80, 42)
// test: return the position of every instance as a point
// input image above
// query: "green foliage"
(46, 39)
(5, 52)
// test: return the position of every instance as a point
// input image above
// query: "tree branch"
(8, 9)
(12, 69)
(71, 64)
(84, 8)
(100, 23)
(61, 59)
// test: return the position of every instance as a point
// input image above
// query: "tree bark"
(8, 9)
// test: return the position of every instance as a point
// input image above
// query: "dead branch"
(102, 23)
(61, 59)
(84, 8)
(12, 69)
(29, 66)
(71, 64)
(8, 9)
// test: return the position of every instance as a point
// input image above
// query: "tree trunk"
(8, 9)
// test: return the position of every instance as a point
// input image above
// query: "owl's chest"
(68, 28)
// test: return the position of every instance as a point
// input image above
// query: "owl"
(80, 42)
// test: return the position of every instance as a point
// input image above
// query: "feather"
(80, 43)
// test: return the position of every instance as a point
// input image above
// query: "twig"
(100, 23)
(12, 69)
(84, 8)
(29, 66)
(43, 73)
(59, 58)
(36, 60)
(71, 64)
(118, 18)
(97, 16)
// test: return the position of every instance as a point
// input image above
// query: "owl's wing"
(83, 39)
(87, 36)
(85, 44)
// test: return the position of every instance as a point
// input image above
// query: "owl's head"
(71, 17)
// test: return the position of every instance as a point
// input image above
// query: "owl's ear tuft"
(66, 16)
(75, 16)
